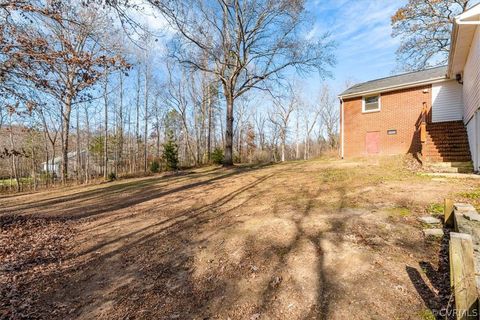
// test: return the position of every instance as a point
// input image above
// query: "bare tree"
(310, 124)
(56, 48)
(246, 42)
(260, 120)
(14, 154)
(146, 92)
(178, 99)
(330, 115)
(424, 27)
(105, 126)
(280, 116)
(137, 122)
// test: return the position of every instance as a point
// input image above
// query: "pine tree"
(170, 152)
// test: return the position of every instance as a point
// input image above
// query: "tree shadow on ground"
(152, 270)
(438, 301)
(86, 280)
(119, 196)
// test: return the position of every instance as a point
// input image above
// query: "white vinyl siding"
(471, 78)
(447, 104)
(473, 139)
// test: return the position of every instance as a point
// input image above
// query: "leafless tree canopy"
(244, 43)
(424, 27)
(82, 97)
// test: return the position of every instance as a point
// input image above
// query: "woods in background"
(83, 98)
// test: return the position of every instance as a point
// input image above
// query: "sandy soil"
(301, 240)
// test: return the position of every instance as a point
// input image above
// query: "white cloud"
(362, 31)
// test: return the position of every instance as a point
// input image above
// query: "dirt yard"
(301, 240)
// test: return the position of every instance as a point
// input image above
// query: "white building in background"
(55, 165)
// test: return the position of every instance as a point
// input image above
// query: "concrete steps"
(450, 167)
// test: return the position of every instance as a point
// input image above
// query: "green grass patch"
(427, 315)
(474, 195)
(435, 209)
(12, 182)
(335, 175)
(399, 212)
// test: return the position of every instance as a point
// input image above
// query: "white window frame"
(379, 103)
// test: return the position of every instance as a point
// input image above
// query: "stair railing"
(423, 124)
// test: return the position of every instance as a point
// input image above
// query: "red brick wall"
(400, 110)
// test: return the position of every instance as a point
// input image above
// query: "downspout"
(342, 124)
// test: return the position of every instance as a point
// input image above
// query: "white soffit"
(462, 35)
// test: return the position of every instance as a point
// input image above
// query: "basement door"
(372, 142)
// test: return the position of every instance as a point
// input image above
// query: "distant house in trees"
(54, 166)
(433, 113)
(95, 168)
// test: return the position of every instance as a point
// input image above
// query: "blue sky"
(362, 31)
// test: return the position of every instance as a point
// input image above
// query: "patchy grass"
(472, 195)
(246, 242)
(427, 315)
(399, 212)
(435, 209)
(13, 182)
(336, 175)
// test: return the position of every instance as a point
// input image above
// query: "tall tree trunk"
(228, 161)
(14, 158)
(137, 128)
(78, 159)
(87, 156)
(47, 171)
(297, 142)
(158, 140)
(66, 134)
(120, 133)
(105, 132)
(145, 162)
(307, 146)
(129, 142)
(209, 134)
(34, 171)
(54, 166)
(157, 128)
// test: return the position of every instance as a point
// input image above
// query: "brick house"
(432, 114)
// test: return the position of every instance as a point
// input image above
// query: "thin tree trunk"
(78, 159)
(34, 172)
(54, 171)
(105, 133)
(229, 133)
(120, 137)
(87, 151)
(209, 135)
(146, 122)
(14, 162)
(137, 129)
(47, 171)
(66, 133)
(157, 129)
(297, 142)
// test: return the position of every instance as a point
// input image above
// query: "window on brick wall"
(371, 103)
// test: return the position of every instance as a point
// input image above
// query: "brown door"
(372, 142)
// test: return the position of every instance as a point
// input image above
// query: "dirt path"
(302, 240)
